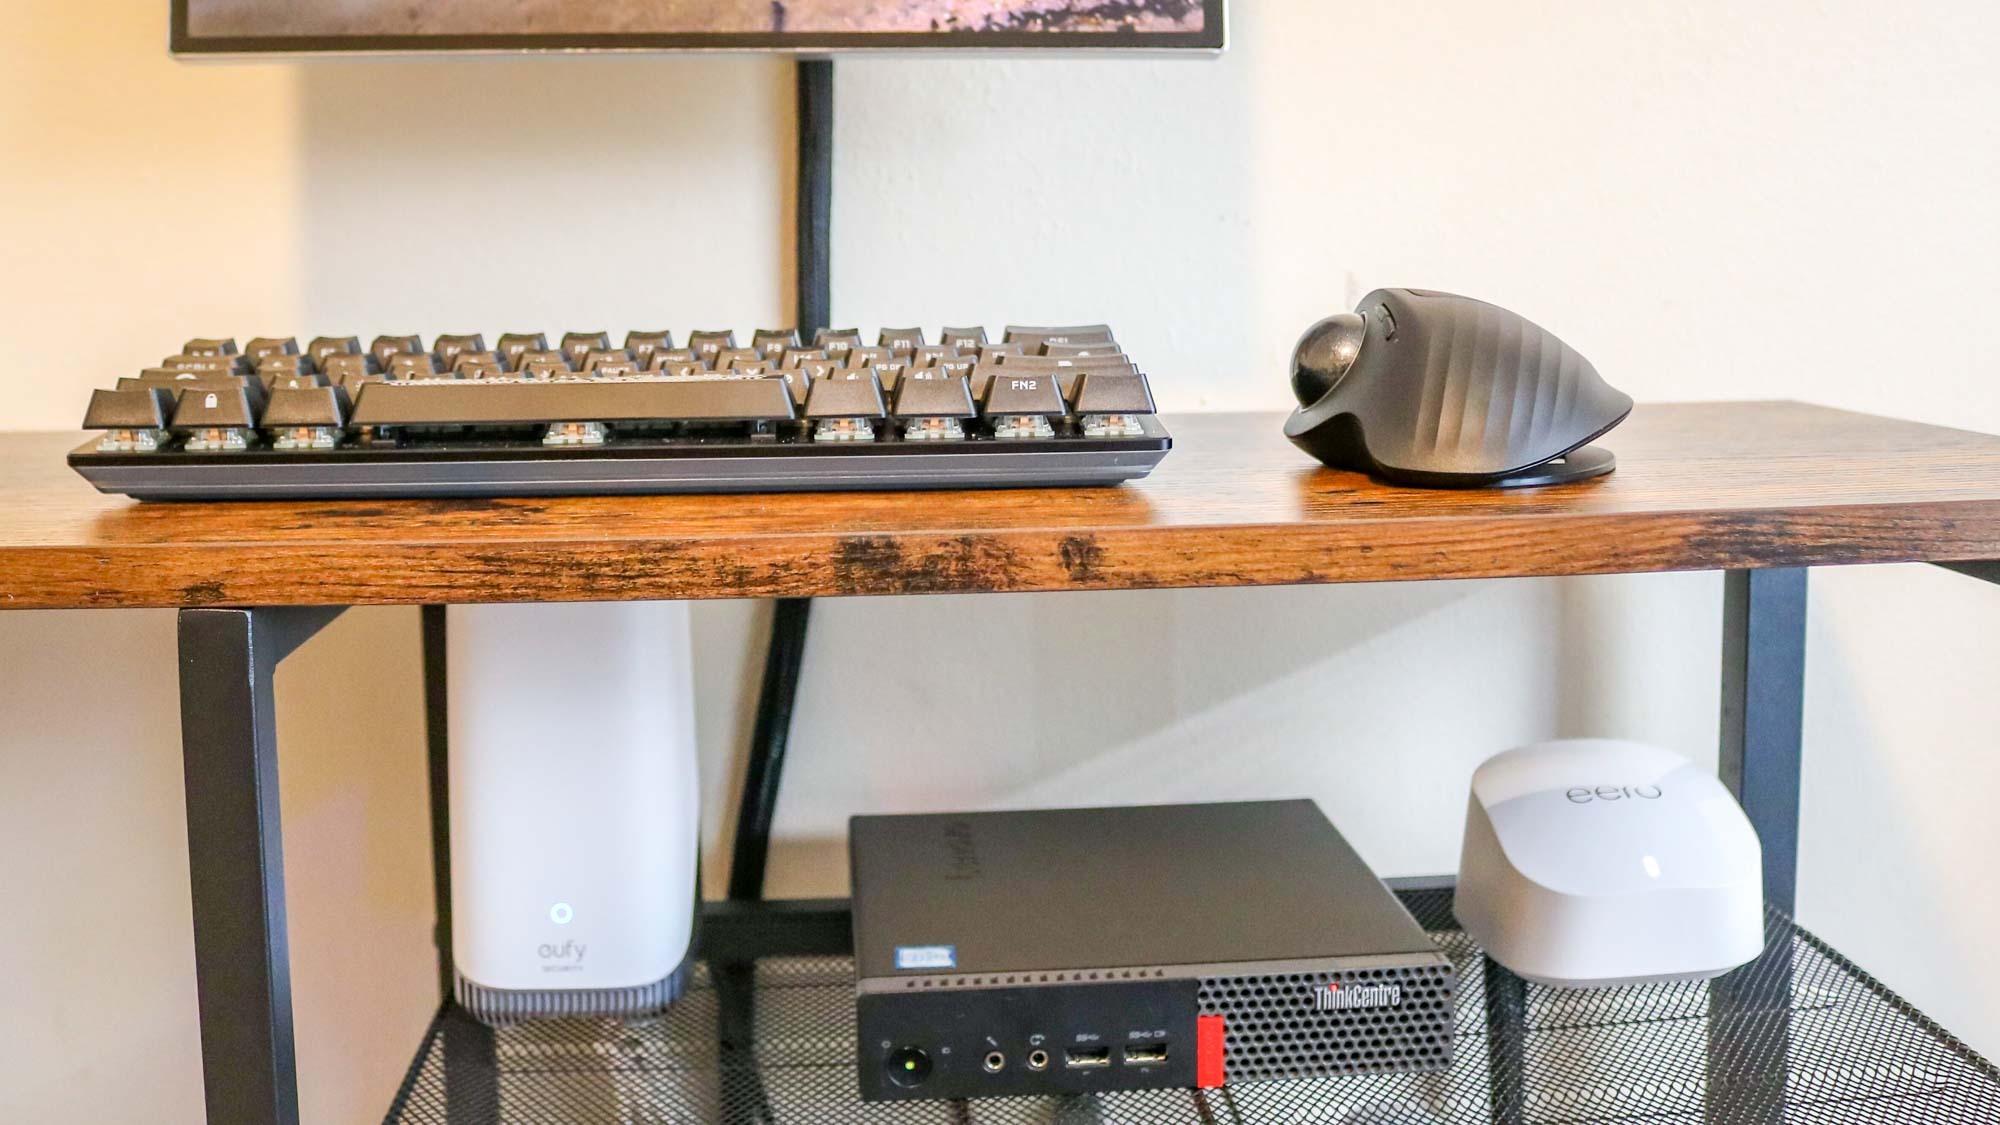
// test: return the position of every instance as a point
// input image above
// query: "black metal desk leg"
(236, 865)
(1506, 1043)
(1763, 715)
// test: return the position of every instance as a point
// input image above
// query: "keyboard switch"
(1020, 406)
(845, 406)
(933, 407)
(133, 421)
(574, 433)
(215, 419)
(305, 418)
(1110, 405)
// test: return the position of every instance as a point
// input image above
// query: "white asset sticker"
(927, 957)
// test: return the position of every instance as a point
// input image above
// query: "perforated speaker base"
(500, 1006)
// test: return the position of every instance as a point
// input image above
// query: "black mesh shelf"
(1799, 1036)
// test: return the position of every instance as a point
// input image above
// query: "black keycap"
(643, 345)
(773, 342)
(930, 354)
(207, 364)
(513, 345)
(262, 346)
(211, 409)
(742, 366)
(1080, 351)
(339, 368)
(837, 342)
(706, 345)
(1099, 392)
(386, 348)
(543, 364)
(923, 395)
(448, 348)
(576, 345)
(1021, 394)
(680, 368)
(276, 381)
(890, 370)
(860, 357)
(204, 346)
(324, 346)
(799, 381)
(990, 352)
(414, 365)
(305, 406)
(1033, 338)
(901, 339)
(966, 338)
(606, 362)
(1022, 364)
(178, 383)
(289, 363)
(722, 358)
(709, 398)
(795, 356)
(140, 408)
(666, 356)
(845, 394)
(477, 365)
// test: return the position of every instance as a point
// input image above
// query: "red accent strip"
(1208, 1051)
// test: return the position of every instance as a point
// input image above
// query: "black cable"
(761, 776)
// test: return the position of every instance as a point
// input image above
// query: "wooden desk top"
(1699, 486)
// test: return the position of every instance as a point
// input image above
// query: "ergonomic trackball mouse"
(1442, 391)
(1595, 862)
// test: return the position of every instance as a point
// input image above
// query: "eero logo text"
(1335, 998)
(1583, 795)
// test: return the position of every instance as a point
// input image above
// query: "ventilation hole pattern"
(1274, 1027)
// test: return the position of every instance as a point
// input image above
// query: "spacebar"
(477, 403)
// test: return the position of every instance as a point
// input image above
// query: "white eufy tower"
(574, 808)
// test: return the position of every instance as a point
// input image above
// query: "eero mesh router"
(1594, 862)
(574, 808)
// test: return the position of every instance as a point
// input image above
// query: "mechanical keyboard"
(1052, 406)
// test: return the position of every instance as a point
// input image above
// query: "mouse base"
(1581, 463)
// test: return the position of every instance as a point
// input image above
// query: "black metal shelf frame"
(229, 750)
(1798, 1035)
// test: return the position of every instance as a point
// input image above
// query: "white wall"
(1711, 200)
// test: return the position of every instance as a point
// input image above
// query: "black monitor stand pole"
(773, 726)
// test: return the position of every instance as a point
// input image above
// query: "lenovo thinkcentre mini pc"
(1073, 951)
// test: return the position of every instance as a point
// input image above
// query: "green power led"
(909, 1066)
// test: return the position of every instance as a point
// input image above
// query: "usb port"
(1087, 1058)
(1152, 1054)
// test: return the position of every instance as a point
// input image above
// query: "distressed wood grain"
(1699, 486)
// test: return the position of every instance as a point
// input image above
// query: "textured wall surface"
(1710, 201)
